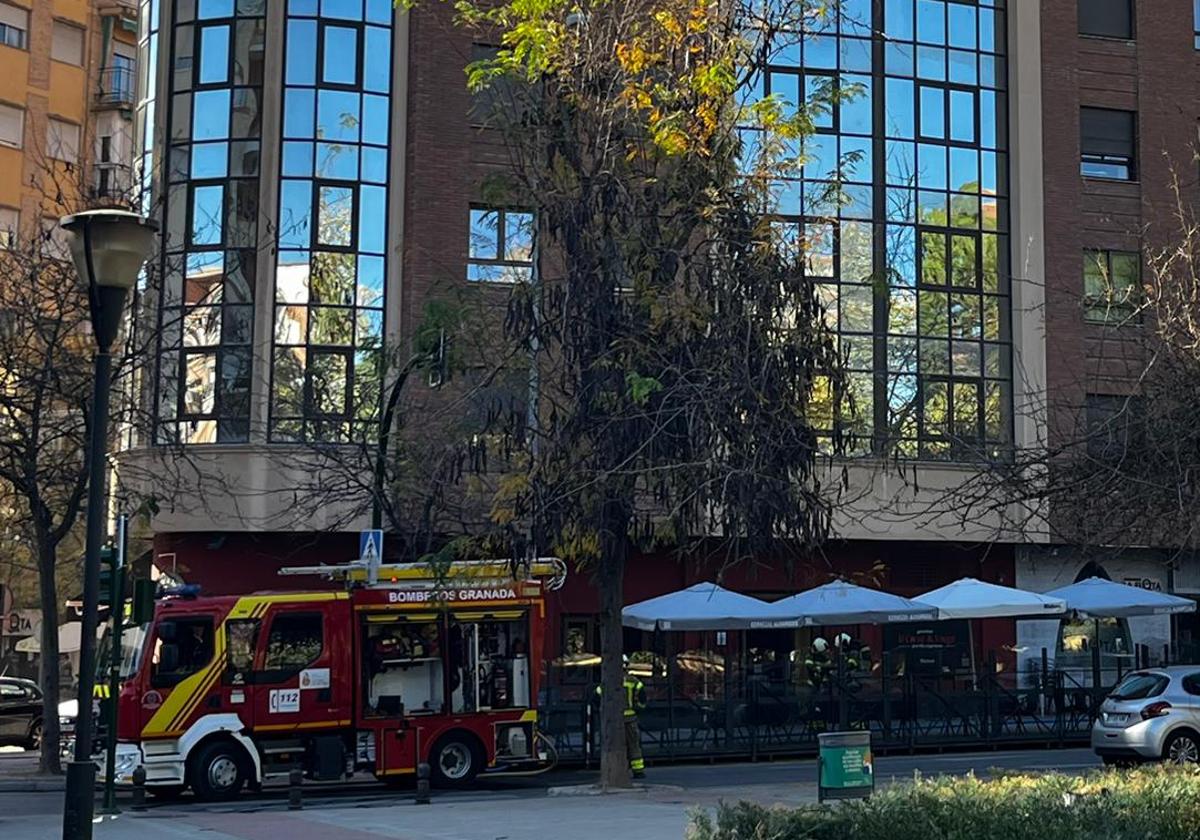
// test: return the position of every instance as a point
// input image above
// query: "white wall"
(1040, 570)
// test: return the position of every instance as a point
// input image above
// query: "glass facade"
(332, 232)
(901, 208)
(212, 220)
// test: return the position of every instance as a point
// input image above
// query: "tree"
(681, 363)
(46, 353)
(45, 380)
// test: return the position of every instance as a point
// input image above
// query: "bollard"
(139, 789)
(295, 777)
(422, 784)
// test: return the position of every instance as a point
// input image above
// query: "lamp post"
(109, 248)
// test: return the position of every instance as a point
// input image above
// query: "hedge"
(1153, 803)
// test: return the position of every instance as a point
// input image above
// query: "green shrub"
(1154, 803)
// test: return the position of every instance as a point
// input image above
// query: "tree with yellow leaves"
(676, 346)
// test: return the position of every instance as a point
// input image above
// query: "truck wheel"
(455, 760)
(217, 771)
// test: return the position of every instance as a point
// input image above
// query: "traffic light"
(143, 601)
(108, 577)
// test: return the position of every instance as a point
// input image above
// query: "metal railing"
(753, 715)
(116, 86)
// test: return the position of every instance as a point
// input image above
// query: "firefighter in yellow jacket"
(635, 701)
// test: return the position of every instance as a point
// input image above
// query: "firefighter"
(635, 701)
(818, 662)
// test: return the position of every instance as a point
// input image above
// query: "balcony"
(116, 87)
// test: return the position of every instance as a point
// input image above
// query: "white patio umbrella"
(702, 606)
(1100, 598)
(841, 602)
(970, 599)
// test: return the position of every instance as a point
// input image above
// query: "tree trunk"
(48, 761)
(614, 760)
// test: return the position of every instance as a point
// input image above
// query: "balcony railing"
(116, 86)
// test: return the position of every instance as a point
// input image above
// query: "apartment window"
(1196, 19)
(10, 220)
(1107, 141)
(14, 26)
(66, 43)
(12, 125)
(54, 240)
(1113, 425)
(62, 140)
(501, 247)
(1106, 18)
(1111, 285)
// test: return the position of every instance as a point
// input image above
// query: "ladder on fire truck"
(372, 572)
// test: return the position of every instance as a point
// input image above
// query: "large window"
(14, 26)
(901, 214)
(12, 126)
(1112, 282)
(10, 225)
(501, 246)
(212, 233)
(183, 647)
(66, 43)
(1108, 143)
(294, 643)
(1113, 424)
(62, 140)
(1106, 18)
(332, 232)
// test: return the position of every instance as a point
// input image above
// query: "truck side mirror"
(143, 601)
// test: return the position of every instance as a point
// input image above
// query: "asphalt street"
(683, 784)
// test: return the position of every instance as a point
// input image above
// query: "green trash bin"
(845, 766)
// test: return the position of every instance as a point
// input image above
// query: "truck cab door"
(237, 684)
(301, 677)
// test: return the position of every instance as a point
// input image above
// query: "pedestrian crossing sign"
(370, 547)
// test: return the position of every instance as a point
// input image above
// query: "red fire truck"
(402, 667)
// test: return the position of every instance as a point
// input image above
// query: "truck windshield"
(133, 639)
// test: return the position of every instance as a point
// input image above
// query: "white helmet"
(842, 639)
(820, 645)
(625, 659)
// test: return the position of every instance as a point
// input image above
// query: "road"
(511, 809)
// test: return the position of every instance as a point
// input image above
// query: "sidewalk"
(652, 813)
(18, 773)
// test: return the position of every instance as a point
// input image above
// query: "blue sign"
(370, 546)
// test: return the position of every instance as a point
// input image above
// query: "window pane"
(214, 54)
(341, 56)
(327, 377)
(295, 642)
(335, 216)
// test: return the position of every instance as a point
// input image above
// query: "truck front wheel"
(217, 771)
(456, 759)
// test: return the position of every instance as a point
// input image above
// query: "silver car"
(1152, 714)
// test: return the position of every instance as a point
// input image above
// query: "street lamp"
(109, 248)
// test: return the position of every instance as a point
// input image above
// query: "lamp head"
(120, 243)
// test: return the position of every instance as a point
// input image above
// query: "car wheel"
(456, 761)
(1182, 748)
(217, 771)
(34, 740)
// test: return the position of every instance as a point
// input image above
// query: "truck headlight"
(125, 764)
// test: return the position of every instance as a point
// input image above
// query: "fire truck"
(401, 667)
